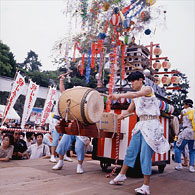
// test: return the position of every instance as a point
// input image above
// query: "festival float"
(107, 39)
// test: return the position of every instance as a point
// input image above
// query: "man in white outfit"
(147, 135)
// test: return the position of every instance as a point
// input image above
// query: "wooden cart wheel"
(104, 165)
(161, 168)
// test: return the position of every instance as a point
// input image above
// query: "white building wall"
(5, 86)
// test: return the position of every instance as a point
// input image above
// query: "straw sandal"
(142, 191)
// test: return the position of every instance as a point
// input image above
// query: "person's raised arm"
(131, 95)
(62, 77)
(61, 85)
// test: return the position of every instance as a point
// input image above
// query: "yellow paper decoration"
(150, 2)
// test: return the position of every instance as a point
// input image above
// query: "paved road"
(35, 177)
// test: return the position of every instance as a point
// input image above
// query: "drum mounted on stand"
(81, 103)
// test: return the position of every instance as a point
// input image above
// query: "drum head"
(94, 106)
(86, 105)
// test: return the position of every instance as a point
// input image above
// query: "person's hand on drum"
(59, 126)
(59, 122)
(114, 96)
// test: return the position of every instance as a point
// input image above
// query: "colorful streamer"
(123, 61)
(82, 65)
(88, 68)
(93, 52)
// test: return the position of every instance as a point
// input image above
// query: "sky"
(36, 25)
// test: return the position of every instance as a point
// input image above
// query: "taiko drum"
(81, 103)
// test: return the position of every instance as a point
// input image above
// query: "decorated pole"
(23, 130)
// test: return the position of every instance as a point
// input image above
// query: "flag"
(31, 96)
(125, 9)
(17, 88)
(48, 105)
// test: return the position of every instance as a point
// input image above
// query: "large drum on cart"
(81, 103)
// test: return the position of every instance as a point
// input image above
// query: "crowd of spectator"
(18, 145)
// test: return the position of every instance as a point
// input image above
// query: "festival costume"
(47, 139)
(148, 134)
(143, 190)
(187, 131)
(63, 146)
(119, 179)
(186, 136)
(54, 133)
(52, 127)
(138, 144)
(67, 140)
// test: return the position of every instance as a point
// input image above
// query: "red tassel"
(116, 150)
(82, 66)
(99, 46)
(93, 52)
(125, 9)
(123, 61)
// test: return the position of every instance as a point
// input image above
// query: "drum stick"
(126, 115)
(65, 74)
(105, 95)
(130, 114)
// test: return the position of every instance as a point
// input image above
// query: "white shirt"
(147, 105)
(28, 143)
(187, 131)
(38, 151)
(152, 130)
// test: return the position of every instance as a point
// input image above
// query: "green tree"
(76, 78)
(178, 96)
(7, 61)
(31, 62)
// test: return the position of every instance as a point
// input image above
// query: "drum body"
(81, 103)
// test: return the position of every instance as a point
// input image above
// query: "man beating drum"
(53, 123)
(67, 140)
(147, 135)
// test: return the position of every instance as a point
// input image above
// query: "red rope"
(21, 130)
(117, 150)
(123, 61)
(82, 65)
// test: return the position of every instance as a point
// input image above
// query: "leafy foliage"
(7, 61)
(178, 96)
(76, 78)
(31, 63)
